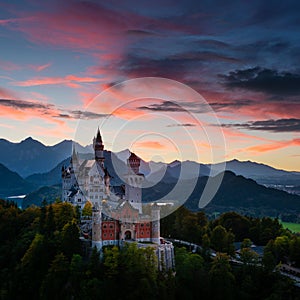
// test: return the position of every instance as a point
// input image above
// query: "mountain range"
(40, 170)
(30, 157)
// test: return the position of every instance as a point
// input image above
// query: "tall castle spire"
(98, 148)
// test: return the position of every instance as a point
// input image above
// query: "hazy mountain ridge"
(31, 155)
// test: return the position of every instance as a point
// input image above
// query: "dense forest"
(41, 257)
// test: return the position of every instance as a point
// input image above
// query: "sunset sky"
(243, 58)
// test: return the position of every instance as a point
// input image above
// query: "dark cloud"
(167, 106)
(182, 125)
(174, 66)
(211, 43)
(86, 115)
(168, 67)
(204, 56)
(24, 104)
(78, 114)
(265, 46)
(50, 109)
(264, 80)
(280, 125)
(140, 32)
(218, 106)
(195, 107)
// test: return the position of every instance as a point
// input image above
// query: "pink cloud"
(9, 66)
(39, 68)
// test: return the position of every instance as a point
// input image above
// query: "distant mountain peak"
(174, 163)
(31, 140)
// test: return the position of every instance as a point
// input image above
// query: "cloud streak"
(280, 125)
(69, 80)
(182, 125)
(35, 108)
(273, 146)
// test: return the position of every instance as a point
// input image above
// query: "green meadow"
(294, 227)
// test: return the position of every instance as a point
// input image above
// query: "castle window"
(142, 225)
(111, 235)
(104, 225)
(148, 224)
(142, 232)
(104, 234)
(111, 226)
(79, 200)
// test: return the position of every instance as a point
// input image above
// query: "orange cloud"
(150, 144)
(7, 94)
(273, 146)
(70, 80)
(26, 110)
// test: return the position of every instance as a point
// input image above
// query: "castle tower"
(65, 185)
(97, 227)
(68, 177)
(74, 160)
(98, 148)
(134, 180)
(155, 214)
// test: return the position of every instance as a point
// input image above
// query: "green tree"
(54, 284)
(93, 268)
(70, 243)
(221, 240)
(76, 275)
(138, 264)
(221, 278)
(43, 216)
(87, 209)
(248, 256)
(295, 250)
(189, 274)
(247, 243)
(111, 262)
(281, 248)
(50, 223)
(34, 266)
(206, 245)
(239, 225)
(268, 260)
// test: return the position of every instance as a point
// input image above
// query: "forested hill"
(12, 183)
(235, 193)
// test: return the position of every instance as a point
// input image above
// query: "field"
(294, 227)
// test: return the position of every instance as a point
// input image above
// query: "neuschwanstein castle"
(117, 211)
